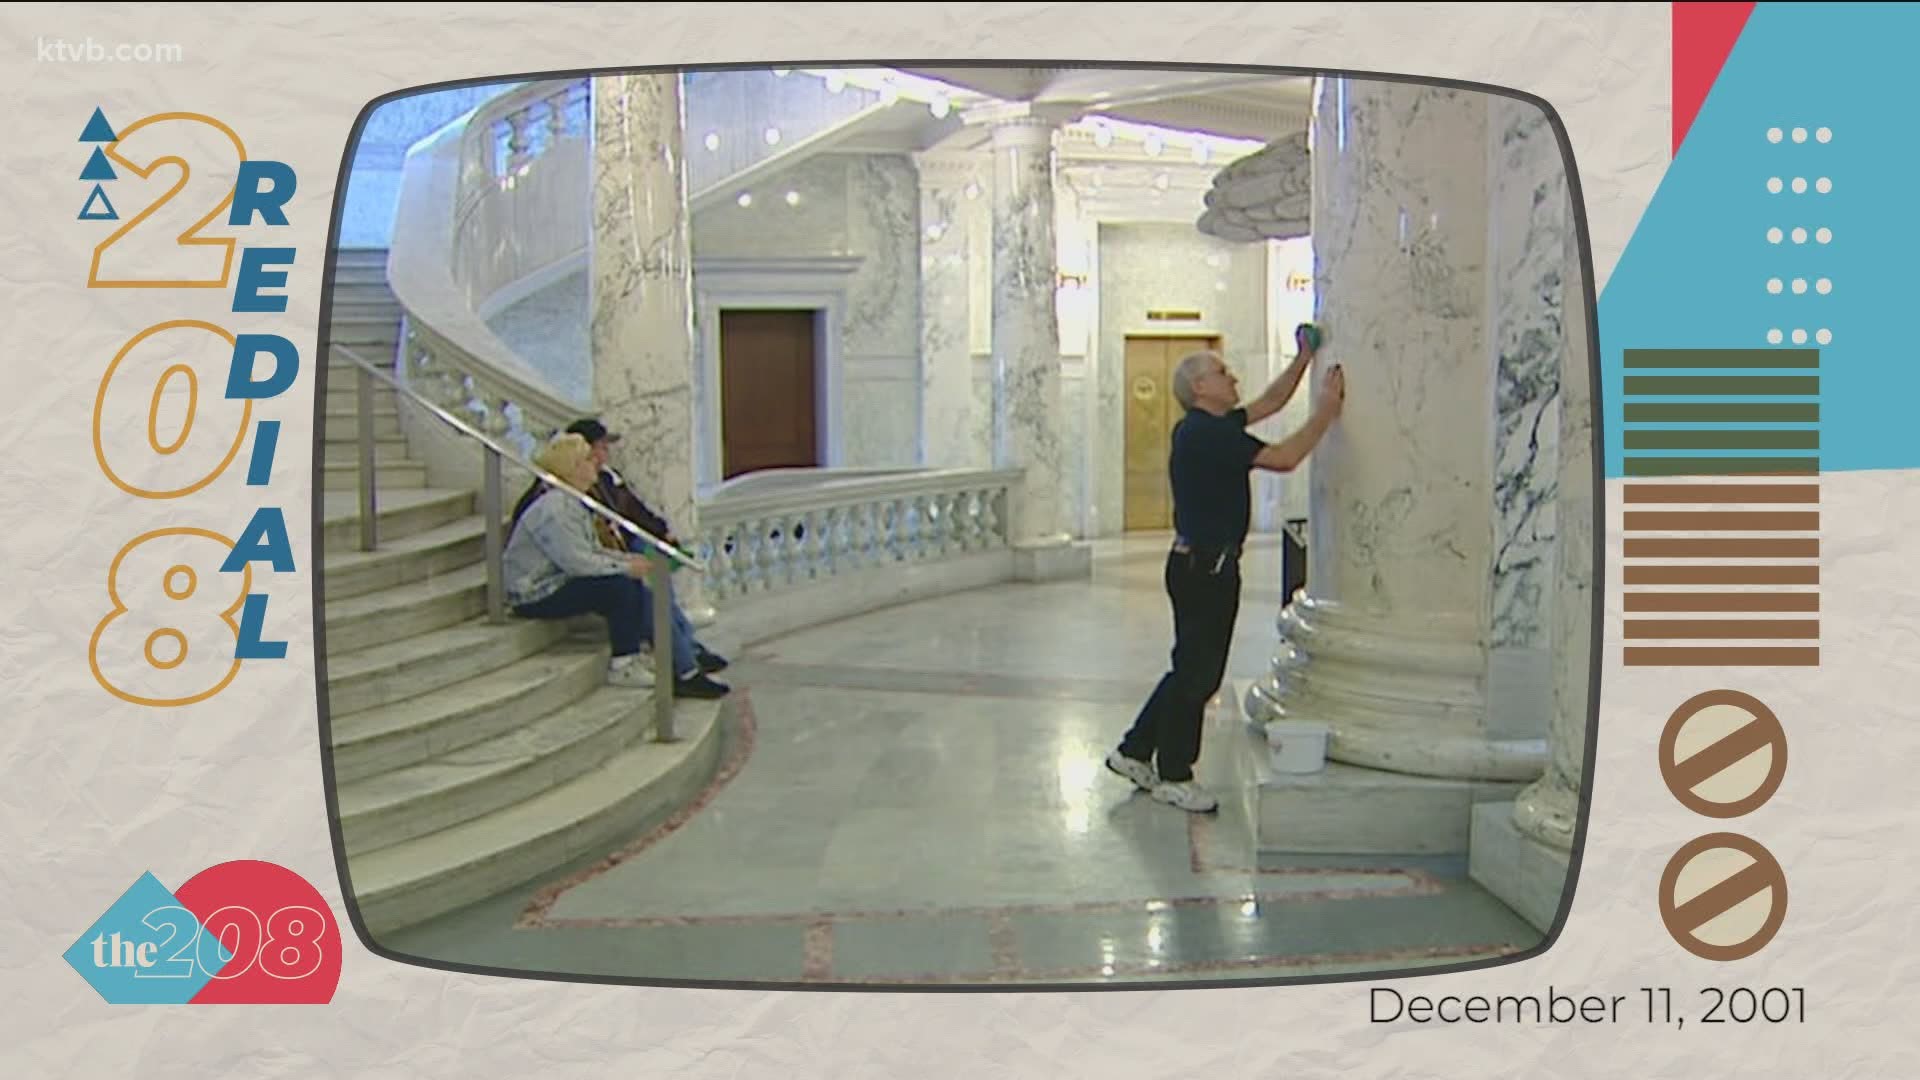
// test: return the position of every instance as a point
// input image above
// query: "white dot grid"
(1774, 337)
(1825, 236)
(1799, 337)
(1774, 135)
(1799, 285)
(1773, 184)
(1823, 286)
(1799, 185)
(1773, 235)
(1774, 286)
(1823, 185)
(1799, 134)
(1824, 337)
(1824, 135)
(1799, 236)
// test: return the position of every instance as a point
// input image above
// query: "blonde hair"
(563, 454)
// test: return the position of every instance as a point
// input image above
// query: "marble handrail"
(791, 531)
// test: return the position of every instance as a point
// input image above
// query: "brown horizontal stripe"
(1723, 575)
(1722, 657)
(1723, 493)
(1723, 601)
(1723, 521)
(1714, 547)
(1742, 629)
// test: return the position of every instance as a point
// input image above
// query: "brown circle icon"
(1723, 897)
(1723, 754)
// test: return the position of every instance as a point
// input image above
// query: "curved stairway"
(468, 757)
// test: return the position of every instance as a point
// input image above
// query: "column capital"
(1019, 122)
(948, 167)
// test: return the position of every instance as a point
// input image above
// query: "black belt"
(1217, 556)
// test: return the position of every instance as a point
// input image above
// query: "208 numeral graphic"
(161, 247)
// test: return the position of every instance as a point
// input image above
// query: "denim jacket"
(555, 540)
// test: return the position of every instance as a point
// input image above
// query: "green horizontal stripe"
(1722, 412)
(1723, 385)
(1723, 440)
(1664, 466)
(1723, 358)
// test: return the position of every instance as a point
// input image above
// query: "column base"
(1393, 701)
(1052, 559)
(1346, 810)
(1526, 875)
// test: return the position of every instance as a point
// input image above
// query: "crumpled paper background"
(96, 791)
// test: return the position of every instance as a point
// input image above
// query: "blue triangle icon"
(106, 213)
(98, 167)
(98, 130)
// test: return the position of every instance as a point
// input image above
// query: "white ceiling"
(1118, 182)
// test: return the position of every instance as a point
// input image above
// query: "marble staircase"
(468, 757)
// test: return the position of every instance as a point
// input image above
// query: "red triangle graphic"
(1703, 35)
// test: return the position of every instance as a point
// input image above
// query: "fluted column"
(642, 265)
(1388, 646)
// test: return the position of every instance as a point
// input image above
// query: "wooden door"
(1152, 412)
(769, 406)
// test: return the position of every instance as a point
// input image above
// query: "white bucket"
(1295, 746)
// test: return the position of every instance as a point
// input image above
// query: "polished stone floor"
(916, 796)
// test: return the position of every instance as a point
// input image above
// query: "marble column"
(1026, 330)
(1527, 237)
(1549, 809)
(1388, 645)
(642, 280)
(946, 362)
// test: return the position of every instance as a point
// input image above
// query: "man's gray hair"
(1191, 367)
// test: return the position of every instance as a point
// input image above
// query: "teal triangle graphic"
(105, 213)
(98, 167)
(98, 130)
(146, 949)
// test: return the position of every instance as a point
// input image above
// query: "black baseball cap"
(592, 430)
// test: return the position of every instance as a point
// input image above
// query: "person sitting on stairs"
(559, 564)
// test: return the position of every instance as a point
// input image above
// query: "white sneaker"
(1188, 796)
(1139, 772)
(630, 672)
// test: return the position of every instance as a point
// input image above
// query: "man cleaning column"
(1210, 466)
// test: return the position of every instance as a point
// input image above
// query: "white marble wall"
(947, 398)
(548, 329)
(847, 204)
(642, 328)
(1148, 267)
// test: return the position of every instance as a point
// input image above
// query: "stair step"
(348, 572)
(344, 396)
(355, 256)
(540, 754)
(361, 274)
(343, 425)
(365, 307)
(434, 602)
(367, 678)
(352, 330)
(645, 783)
(355, 289)
(409, 732)
(386, 477)
(347, 451)
(397, 514)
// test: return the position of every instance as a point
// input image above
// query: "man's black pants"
(1204, 585)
